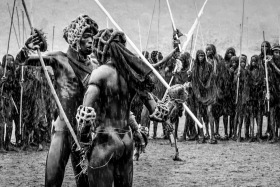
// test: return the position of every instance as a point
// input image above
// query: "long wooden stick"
(239, 66)
(14, 28)
(200, 27)
(158, 26)
(19, 38)
(8, 47)
(23, 27)
(191, 45)
(145, 61)
(266, 79)
(278, 29)
(21, 97)
(51, 85)
(140, 35)
(191, 31)
(150, 25)
(173, 23)
(53, 37)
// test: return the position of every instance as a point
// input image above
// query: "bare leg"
(155, 129)
(57, 158)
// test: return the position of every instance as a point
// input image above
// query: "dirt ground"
(226, 164)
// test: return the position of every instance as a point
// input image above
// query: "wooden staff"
(239, 66)
(191, 31)
(158, 27)
(173, 23)
(107, 23)
(150, 25)
(9, 38)
(146, 61)
(200, 27)
(140, 35)
(19, 38)
(11, 16)
(23, 28)
(53, 37)
(191, 45)
(266, 79)
(278, 29)
(51, 85)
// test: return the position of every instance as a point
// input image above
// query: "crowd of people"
(32, 114)
(221, 87)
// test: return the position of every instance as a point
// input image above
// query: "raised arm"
(32, 44)
(24, 58)
(165, 59)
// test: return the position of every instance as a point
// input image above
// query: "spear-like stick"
(193, 51)
(53, 37)
(21, 96)
(140, 35)
(107, 23)
(51, 85)
(13, 25)
(150, 25)
(19, 38)
(190, 33)
(191, 45)
(23, 27)
(145, 60)
(278, 29)
(199, 25)
(8, 47)
(266, 79)
(263, 36)
(247, 32)
(239, 66)
(173, 23)
(158, 26)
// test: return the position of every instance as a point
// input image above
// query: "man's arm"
(165, 59)
(24, 58)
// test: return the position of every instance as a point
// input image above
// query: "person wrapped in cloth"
(105, 110)
(71, 74)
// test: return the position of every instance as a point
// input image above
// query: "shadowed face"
(209, 51)
(230, 54)
(243, 64)
(264, 46)
(201, 57)
(234, 64)
(276, 54)
(86, 42)
(254, 61)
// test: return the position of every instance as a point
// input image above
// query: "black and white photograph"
(150, 93)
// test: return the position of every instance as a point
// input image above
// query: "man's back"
(113, 104)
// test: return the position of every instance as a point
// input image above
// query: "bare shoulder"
(102, 74)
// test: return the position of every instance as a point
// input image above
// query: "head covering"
(275, 47)
(155, 56)
(73, 33)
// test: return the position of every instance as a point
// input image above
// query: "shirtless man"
(105, 110)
